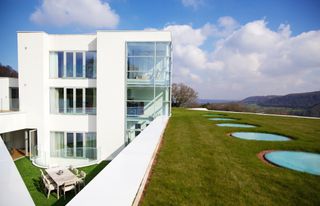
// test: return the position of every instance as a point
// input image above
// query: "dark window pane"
(79, 101)
(69, 64)
(79, 62)
(69, 100)
(70, 144)
(79, 144)
(90, 100)
(91, 64)
(60, 64)
(61, 100)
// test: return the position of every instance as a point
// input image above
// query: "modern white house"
(83, 98)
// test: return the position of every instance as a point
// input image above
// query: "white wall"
(5, 84)
(111, 84)
(12, 121)
(33, 64)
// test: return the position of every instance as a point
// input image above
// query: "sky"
(224, 49)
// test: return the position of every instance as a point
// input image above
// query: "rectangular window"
(91, 144)
(79, 66)
(90, 100)
(91, 64)
(70, 144)
(141, 49)
(57, 144)
(79, 100)
(69, 101)
(56, 100)
(56, 64)
(69, 64)
(79, 144)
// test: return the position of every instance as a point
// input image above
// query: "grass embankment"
(31, 177)
(199, 164)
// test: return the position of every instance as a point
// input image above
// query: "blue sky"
(218, 25)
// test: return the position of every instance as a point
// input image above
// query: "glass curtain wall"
(148, 84)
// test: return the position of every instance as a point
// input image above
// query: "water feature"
(236, 125)
(299, 161)
(259, 136)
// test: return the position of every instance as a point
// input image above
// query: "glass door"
(33, 143)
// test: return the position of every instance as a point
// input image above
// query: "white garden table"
(60, 179)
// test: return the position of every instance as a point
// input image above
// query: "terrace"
(199, 163)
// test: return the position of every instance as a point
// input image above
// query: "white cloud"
(84, 13)
(192, 3)
(246, 60)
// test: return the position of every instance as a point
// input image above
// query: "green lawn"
(199, 164)
(31, 177)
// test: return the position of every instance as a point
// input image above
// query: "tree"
(183, 96)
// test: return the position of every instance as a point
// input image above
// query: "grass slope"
(199, 164)
(31, 177)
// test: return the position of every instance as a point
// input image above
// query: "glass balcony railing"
(67, 156)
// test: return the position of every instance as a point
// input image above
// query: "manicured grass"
(31, 177)
(199, 164)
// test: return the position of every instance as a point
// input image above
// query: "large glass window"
(91, 64)
(73, 100)
(73, 145)
(73, 64)
(56, 64)
(69, 57)
(79, 64)
(90, 100)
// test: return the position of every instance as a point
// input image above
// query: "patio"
(31, 176)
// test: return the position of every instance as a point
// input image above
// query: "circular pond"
(235, 125)
(213, 115)
(259, 136)
(300, 161)
(221, 119)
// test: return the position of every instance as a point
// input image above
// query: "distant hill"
(257, 99)
(208, 101)
(306, 100)
(7, 71)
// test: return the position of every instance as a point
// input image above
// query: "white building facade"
(85, 97)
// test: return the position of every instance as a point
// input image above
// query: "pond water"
(221, 119)
(259, 136)
(299, 161)
(236, 125)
